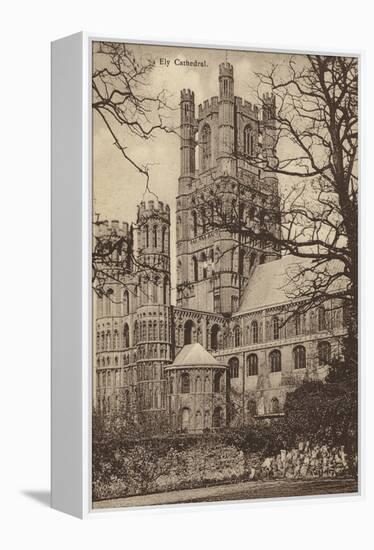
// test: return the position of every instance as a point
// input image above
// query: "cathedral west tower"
(213, 262)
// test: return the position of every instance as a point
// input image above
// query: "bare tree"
(313, 147)
(317, 139)
(121, 99)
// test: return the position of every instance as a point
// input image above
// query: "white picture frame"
(71, 385)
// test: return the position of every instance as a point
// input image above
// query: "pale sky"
(118, 187)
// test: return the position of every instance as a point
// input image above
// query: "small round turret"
(226, 81)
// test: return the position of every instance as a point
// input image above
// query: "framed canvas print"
(205, 274)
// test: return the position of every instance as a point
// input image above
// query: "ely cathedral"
(228, 350)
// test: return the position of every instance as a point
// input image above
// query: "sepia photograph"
(225, 271)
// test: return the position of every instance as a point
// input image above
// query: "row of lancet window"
(206, 145)
(204, 266)
(150, 291)
(105, 340)
(107, 361)
(275, 360)
(113, 306)
(151, 237)
(186, 384)
(216, 336)
(276, 324)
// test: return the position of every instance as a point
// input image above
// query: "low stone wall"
(142, 470)
(304, 462)
(203, 464)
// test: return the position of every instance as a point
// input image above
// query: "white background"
(27, 29)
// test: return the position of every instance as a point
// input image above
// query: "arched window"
(252, 365)
(126, 336)
(275, 328)
(126, 302)
(252, 407)
(217, 382)
(185, 383)
(204, 264)
(108, 340)
(234, 304)
(179, 226)
(195, 267)
(297, 324)
(155, 285)
(171, 385)
(299, 357)
(188, 328)
(194, 223)
(274, 406)
(116, 339)
(275, 361)
(214, 337)
(321, 319)
(241, 261)
(237, 336)
(211, 259)
(146, 232)
(179, 271)
(155, 236)
(234, 367)
(324, 353)
(248, 141)
(163, 239)
(206, 147)
(198, 385)
(254, 332)
(165, 287)
(217, 417)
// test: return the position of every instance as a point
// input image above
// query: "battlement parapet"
(154, 208)
(246, 108)
(107, 227)
(208, 107)
(268, 98)
(187, 95)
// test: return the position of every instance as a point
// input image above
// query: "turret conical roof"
(195, 355)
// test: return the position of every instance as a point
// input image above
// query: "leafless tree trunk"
(314, 153)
